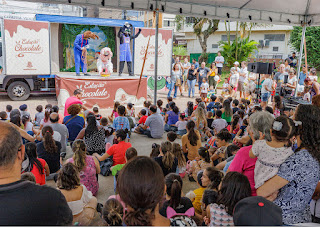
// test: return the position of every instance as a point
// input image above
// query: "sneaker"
(86, 74)
(77, 74)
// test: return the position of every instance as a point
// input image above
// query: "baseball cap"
(257, 211)
(23, 107)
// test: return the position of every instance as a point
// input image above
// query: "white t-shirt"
(307, 96)
(181, 125)
(233, 79)
(313, 78)
(28, 127)
(291, 81)
(219, 59)
(204, 87)
(267, 83)
(245, 71)
(186, 65)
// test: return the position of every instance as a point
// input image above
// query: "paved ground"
(141, 143)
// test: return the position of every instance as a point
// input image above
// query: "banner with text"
(102, 92)
(164, 51)
(27, 47)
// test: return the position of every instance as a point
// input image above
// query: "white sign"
(164, 52)
(27, 47)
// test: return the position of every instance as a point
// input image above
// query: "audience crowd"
(253, 163)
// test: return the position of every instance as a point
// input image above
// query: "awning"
(290, 12)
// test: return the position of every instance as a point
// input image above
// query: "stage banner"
(27, 47)
(164, 51)
(102, 92)
(107, 38)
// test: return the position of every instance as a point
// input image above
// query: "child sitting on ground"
(96, 113)
(114, 113)
(159, 106)
(169, 99)
(182, 164)
(212, 105)
(273, 152)
(171, 136)
(210, 119)
(39, 115)
(108, 131)
(200, 163)
(130, 154)
(181, 125)
(142, 120)
(3, 116)
(131, 110)
(113, 212)
(155, 150)
(235, 104)
(8, 110)
(196, 195)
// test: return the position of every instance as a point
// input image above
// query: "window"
(275, 37)
(225, 37)
(189, 20)
(215, 45)
(275, 48)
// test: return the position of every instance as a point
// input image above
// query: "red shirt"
(40, 177)
(118, 151)
(71, 101)
(143, 119)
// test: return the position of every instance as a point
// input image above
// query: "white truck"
(25, 64)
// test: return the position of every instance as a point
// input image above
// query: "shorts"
(211, 81)
(219, 70)
(265, 97)
(241, 86)
(203, 95)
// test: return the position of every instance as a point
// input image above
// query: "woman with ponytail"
(173, 196)
(88, 166)
(49, 149)
(191, 141)
(141, 187)
(167, 161)
(201, 162)
(38, 166)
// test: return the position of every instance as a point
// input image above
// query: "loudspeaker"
(260, 68)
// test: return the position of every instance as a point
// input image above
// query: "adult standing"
(303, 75)
(243, 75)
(75, 99)
(195, 63)
(219, 60)
(155, 124)
(186, 67)
(175, 81)
(314, 87)
(279, 78)
(81, 44)
(291, 84)
(192, 79)
(203, 72)
(61, 128)
(293, 60)
(299, 175)
(212, 76)
(94, 136)
(17, 209)
(286, 65)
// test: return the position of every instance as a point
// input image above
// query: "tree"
(312, 42)
(179, 50)
(203, 28)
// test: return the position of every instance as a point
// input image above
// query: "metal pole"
(156, 55)
(300, 56)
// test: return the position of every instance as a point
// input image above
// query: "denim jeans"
(168, 128)
(191, 85)
(171, 87)
(181, 132)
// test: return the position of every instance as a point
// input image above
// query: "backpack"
(105, 166)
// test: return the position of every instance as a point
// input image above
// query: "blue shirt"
(74, 126)
(196, 65)
(121, 122)
(172, 118)
(302, 77)
(303, 173)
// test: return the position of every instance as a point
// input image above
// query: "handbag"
(105, 166)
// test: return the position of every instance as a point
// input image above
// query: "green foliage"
(180, 50)
(239, 50)
(312, 43)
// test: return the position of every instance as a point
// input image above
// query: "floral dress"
(88, 175)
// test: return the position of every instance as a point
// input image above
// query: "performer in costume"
(126, 35)
(81, 44)
(104, 64)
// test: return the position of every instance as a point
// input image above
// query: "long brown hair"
(174, 188)
(168, 156)
(177, 152)
(79, 157)
(192, 135)
(48, 141)
(141, 186)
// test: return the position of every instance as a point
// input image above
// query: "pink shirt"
(71, 101)
(242, 163)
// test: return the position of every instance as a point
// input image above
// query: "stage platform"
(95, 76)
(101, 91)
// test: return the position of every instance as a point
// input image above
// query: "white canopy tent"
(289, 12)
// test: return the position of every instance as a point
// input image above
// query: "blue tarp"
(87, 20)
